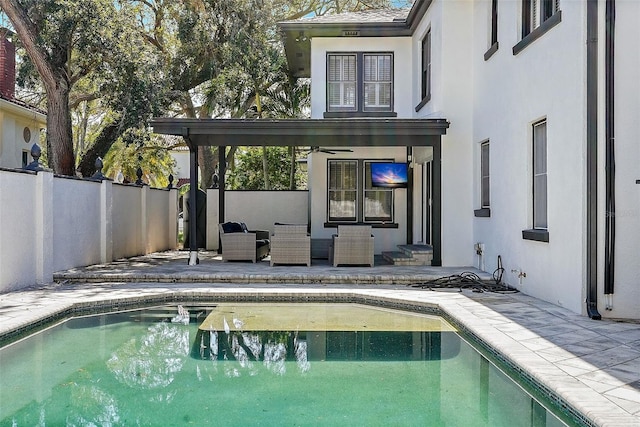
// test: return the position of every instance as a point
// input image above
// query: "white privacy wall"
(56, 223)
(511, 92)
(260, 210)
(20, 212)
(76, 232)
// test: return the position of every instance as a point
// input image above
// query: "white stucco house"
(509, 116)
(20, 123)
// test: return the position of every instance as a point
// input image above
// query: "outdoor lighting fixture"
(301, 37)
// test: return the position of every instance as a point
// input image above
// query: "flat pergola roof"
(305, 132)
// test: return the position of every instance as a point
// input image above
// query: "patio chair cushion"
(234, 227)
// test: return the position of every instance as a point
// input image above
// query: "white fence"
(258, 209)
(50, 223)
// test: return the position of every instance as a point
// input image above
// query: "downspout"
(592, 160)
(610, 195)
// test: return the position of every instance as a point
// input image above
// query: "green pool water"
(139, 369)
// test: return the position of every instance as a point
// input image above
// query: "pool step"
(410, 255)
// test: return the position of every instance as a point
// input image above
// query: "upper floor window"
(493, 34)
(536, 12)
(426, 66)
(538, 17)
(359, 82)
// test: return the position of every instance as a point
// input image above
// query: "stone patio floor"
(594, 366)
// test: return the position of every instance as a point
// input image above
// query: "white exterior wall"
(402, 73)
(287, 207)
(385, 239)
(13, 120)
(451, 93)
(506, 104)
(76, 231)
(626, 297)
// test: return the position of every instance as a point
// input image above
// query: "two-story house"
(503, 113)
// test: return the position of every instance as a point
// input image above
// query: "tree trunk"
(207, 162)
(59, 130)
(52, 69)
(100, 147)
(292, 170)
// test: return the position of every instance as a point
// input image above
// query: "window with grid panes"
(535, 12)
(356, 200)
(343, 190)
(484, 175)
(341, 82)
(360, 82)
(540, 175)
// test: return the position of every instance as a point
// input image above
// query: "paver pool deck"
(593, 366)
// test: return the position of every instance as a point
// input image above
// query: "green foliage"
(137, 148)
(247, 171)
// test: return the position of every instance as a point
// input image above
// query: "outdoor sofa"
(242, 244)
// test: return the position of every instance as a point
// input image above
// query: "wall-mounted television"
(390, 175)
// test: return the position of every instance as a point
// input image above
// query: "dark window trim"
(350, 114)
(360, 192)
(423, 103)
(538, 235)
(494, 22)
(489, 53)
(425, 69)
(483, 144)
(482, 213)
(359, 110)
(534, 35)
(335, 224)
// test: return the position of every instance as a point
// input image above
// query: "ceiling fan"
(329, 150)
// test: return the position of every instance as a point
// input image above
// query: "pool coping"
(582, 402)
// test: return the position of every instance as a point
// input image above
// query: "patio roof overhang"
(352, 132)
(305, 132)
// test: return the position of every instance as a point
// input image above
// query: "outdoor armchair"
(241, 244)
(353, 245)
(290, 244)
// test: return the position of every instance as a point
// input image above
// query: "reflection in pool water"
(138, 368)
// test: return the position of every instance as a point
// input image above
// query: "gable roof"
(297, 34)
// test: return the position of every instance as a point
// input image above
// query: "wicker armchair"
(240, 244)
(353, 245)
(290, 244)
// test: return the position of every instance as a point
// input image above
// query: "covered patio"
(345, 133)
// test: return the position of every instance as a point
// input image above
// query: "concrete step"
(422, 253)
(401, 258)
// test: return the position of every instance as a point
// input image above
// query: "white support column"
(44, 227)
(144, 224)
(106, 221)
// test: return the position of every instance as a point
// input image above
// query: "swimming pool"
(264, 364)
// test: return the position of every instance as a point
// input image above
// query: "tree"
(69, 42)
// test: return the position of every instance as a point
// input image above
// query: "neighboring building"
(513, 168)
(20, 123)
